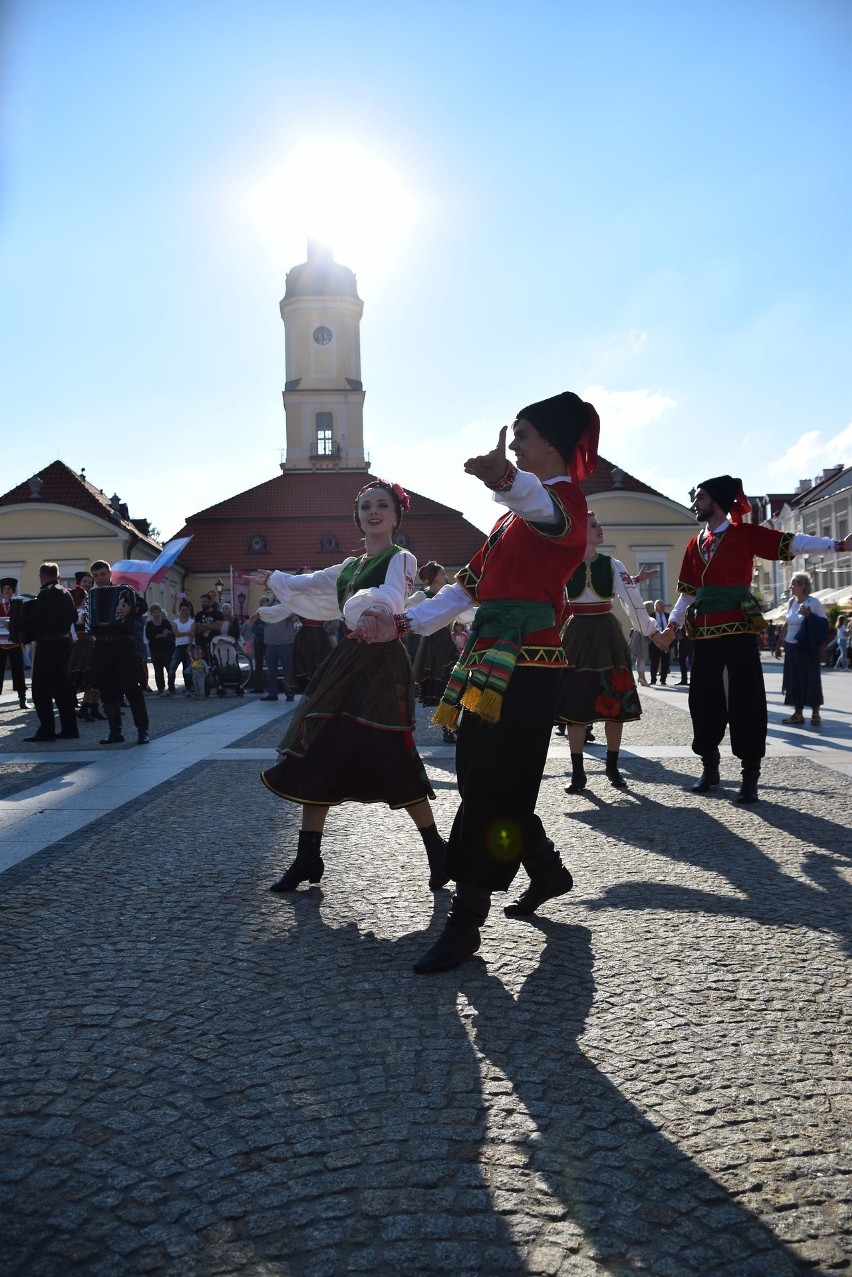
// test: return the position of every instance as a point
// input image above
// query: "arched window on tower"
(325, 447)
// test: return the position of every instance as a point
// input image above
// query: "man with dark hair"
(723, 618)
(508, 676)
(47, 620)
(208, 622)
(115, 662)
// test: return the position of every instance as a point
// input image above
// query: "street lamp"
(219, 587)
(241, 600)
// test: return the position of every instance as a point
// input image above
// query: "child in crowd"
(199, 668)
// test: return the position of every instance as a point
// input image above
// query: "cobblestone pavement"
(653, 1076)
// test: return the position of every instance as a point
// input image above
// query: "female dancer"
(351, 739)
(436, 653)
(80, 660)
(598, 681)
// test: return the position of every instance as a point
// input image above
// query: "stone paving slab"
(654, 1077)
(19, 776)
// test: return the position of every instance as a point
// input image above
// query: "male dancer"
(47, 622)
(115, 664)
(724, 619)
(508, 675)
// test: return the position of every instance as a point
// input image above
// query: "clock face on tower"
(322, 335)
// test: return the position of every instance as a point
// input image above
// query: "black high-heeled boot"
(85, 713)
(308, 865)
(613, 775)
(436, 854)
(578, 775)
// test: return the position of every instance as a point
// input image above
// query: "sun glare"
(338, 192)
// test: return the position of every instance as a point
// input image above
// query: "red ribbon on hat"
(584, 459)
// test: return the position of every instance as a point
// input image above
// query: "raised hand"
(491, 466)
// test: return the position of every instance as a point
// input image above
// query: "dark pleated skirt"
(433, 664)
(802, 679)
(351, 739)
(597, 684)
(80, 663)
(311, 646)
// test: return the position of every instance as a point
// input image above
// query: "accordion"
(102, 605)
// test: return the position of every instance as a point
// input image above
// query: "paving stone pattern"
(653, 1077)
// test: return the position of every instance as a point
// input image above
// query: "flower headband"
(396, 488)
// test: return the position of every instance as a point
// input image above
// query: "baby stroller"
(229, 668)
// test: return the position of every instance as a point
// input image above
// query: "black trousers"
(161, 659)
(51, 682)
(116, 670)
(726, 690)
(499, 769)
(660, 662)
(15, 657)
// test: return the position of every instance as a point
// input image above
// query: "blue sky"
(646, 202)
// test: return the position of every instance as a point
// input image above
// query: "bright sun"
(338, 192)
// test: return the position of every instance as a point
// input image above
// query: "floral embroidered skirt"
(597, 685)
(351, 738)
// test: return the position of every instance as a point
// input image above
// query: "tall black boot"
(709, 776)
(578, 775)
(308, 865)
(460, 938)
(85, 712)
(748, 788)
(436, 854)
(613, 775)
(548, 878)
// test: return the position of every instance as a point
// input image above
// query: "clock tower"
(323, 393)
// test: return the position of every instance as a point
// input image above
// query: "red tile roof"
(61, 486)
(296, 510)
(605, 479)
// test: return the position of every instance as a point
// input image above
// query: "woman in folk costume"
(11, 637)
(508, 676)
(310, 648)
(80, 661)
(597, 685)
(437, 653)
(350, 740)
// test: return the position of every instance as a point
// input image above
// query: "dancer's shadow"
(633, 1201)
(762, 890)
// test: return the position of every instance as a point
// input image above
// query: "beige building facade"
(59, 516)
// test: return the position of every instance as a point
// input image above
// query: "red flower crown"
(398, 491)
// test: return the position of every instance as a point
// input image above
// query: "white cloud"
(811, 454)
(624, 412)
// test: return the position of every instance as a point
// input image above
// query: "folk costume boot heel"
(748, 788)
(308, 865)
(578, 775)
(436, 854)
(613, 775)
(548, 878)
(709, 777)
(460, 938)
